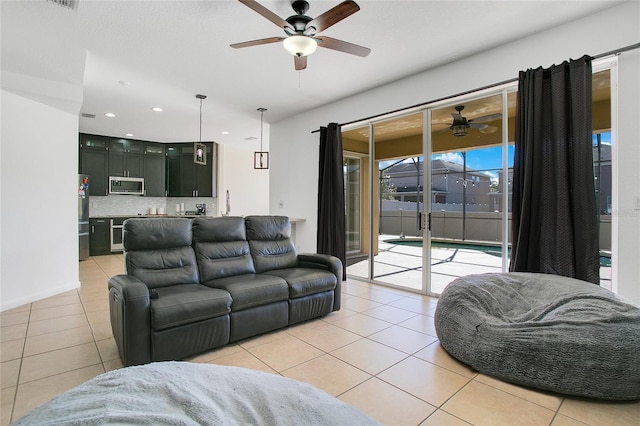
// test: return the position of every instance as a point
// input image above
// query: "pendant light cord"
(201, 97)
(262, 110)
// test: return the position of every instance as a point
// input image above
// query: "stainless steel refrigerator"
(83, 216)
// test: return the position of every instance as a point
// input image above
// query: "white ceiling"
(168, 51)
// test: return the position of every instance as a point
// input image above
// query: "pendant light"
(200, 149)
(261, 158)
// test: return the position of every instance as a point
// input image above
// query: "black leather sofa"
(196, 284)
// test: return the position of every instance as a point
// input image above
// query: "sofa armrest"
(129, 310)
(321, 261)
(329, 263)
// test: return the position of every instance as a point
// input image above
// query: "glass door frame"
(371, 228)
(426, 110)
(503, 90)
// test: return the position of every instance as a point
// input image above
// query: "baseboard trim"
(11, 304)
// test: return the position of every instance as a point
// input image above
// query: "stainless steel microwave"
(126, 185)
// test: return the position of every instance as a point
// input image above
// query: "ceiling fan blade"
(266, 13)
(478, 125)
(257, 42)
(300, 62)
(334, 15)
(489, 117)
(488, 129)
(342, 46)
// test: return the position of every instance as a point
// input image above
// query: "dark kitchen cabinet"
(186, 178)
(99, 236)
(94, 161)
(126, 158)
(127, 146)
(172, 168)
(168, 169)
(154, 169)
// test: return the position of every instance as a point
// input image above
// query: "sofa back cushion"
(158, 251)
(270, 242)
(221, 247)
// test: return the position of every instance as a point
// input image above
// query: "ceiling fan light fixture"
(300, 45)
(459, 129)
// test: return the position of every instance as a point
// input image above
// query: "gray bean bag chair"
(544, 331)
(184, 393)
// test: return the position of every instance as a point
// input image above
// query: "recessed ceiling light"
(128, 134)
(225, 132)
(157, 109)
(109, 114)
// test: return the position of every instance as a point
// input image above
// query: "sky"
(480, 159)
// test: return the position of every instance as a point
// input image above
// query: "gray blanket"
(544, 331)
(182, 393)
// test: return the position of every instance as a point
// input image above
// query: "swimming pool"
(488, 249)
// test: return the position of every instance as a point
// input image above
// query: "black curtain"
(331, 207)
(554, 217)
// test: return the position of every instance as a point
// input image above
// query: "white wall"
(40, 104)
(626, 216)
(248, 187)
(38, 215)
(295, 149)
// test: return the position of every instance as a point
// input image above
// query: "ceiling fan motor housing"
(300, 6)
(298, 22)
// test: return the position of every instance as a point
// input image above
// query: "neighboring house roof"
(438, 166)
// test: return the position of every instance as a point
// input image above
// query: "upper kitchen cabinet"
(167, 169)
(126, 158)
(185, 178)
(154, 169)
(94, 160)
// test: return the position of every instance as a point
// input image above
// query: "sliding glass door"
(471, 161)
(390, 250)
(429, 192)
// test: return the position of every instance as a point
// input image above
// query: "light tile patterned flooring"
(379, 353)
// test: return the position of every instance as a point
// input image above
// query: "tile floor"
(379, 353)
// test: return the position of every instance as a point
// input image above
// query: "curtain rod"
(490, 86)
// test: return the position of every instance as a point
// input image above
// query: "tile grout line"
(93, 334)
(24, 345)
(470, 379)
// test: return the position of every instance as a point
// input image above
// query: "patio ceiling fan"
(460, 124)
(301, 30)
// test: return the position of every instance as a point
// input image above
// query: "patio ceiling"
(406, 131)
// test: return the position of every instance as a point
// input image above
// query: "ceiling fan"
(461, 124)
(302, 30)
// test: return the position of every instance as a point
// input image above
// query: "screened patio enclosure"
(390, 198)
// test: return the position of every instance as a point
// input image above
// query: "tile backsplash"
(122, 205)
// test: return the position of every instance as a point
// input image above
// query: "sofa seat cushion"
(305, 281)
(249, 290)
(187, 303)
